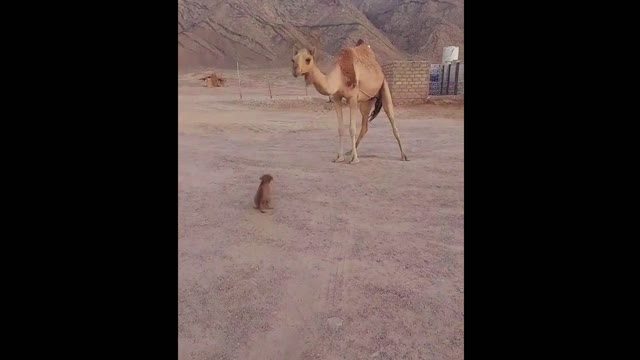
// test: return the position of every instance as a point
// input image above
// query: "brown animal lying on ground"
(263, 196)
(212, 80)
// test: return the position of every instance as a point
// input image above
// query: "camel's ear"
(313, 51)
(295, 51)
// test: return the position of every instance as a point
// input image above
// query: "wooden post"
(239, 86)
(271, 96)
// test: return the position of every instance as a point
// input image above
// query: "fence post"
(239, 85)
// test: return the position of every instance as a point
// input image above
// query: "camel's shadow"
(378, 157)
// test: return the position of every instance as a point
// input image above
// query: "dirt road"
(355, 262)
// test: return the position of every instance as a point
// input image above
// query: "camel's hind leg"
(365, 110)
(387, 105)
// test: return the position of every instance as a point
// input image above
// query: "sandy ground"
(357, 261)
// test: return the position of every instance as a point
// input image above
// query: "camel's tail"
(378, 105)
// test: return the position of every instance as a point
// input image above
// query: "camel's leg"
(365, 111)
(387, 105)
(337, 103)
(353, 104)
(268, 205)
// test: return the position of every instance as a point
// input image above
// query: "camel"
(356, 76)
(212, 80)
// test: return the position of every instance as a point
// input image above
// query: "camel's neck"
(325, 84)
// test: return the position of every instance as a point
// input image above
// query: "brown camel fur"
(212, 80)
(357, 77)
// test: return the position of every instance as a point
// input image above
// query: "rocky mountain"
(262, 33)
(421, 28)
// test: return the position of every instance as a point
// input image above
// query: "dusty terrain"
(357, 261)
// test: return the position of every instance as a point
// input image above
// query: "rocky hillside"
(418, 27)
(262, 33)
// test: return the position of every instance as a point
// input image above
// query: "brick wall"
(408, 81)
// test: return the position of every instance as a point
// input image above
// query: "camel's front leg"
(353, 103)
(365, 110)
(337, 103)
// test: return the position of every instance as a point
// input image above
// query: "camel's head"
(303, 61)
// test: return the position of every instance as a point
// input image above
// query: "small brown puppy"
(263, 196)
